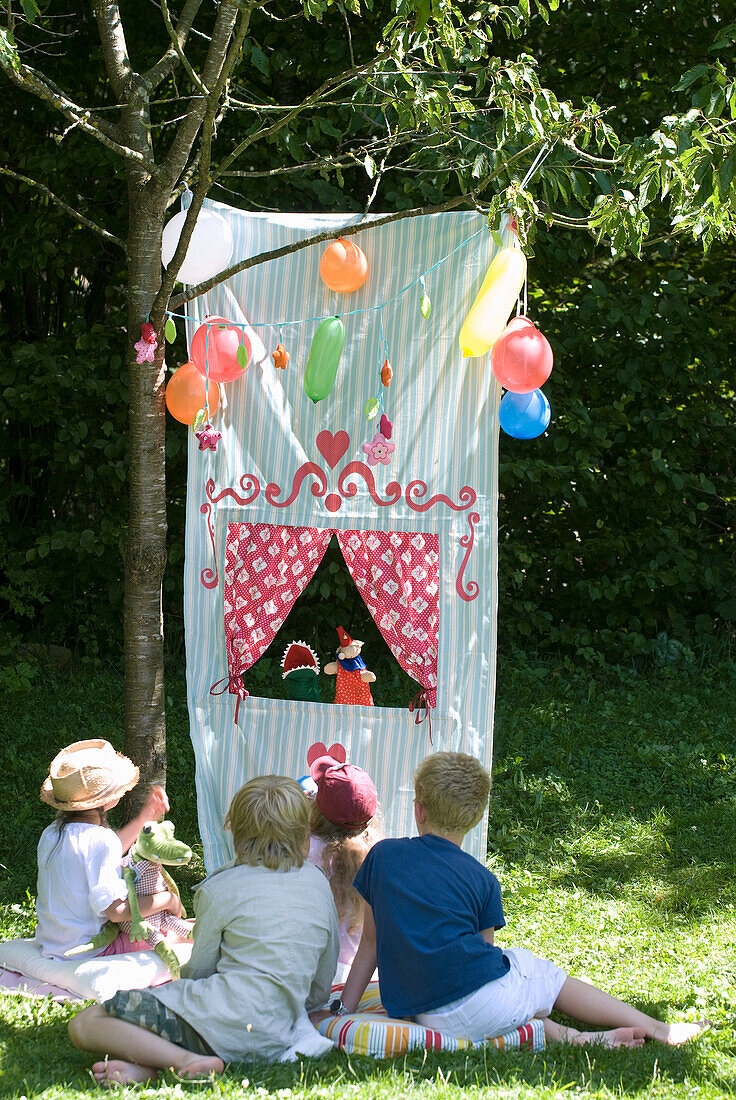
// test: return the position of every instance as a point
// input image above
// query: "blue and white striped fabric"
(445, 427)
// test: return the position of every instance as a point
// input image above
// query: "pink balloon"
(521, 358)
(216, 343)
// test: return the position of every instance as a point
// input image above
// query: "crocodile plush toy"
(143, 871)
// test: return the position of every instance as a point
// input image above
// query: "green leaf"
(170, 330)
(30, 9)
(8, 51)
(242, 356)
(370, 166)
(726, 174)
(690, 77)
(259, 59)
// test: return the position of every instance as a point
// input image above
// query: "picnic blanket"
(23, 969)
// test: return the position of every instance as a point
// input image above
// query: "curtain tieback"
(421, 709)
(234, 684)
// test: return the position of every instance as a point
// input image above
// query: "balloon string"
(354, 312)
(207, 371)
(542, 155)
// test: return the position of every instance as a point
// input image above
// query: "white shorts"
(529, 988)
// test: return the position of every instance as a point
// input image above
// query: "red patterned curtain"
(267, 566)
(397, 574)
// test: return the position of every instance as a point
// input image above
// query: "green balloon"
(324, 358)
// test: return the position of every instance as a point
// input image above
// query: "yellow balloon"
(494, 302)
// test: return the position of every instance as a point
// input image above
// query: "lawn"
(611, 831)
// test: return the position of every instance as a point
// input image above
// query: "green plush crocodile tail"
(106, 935)
(164, 951)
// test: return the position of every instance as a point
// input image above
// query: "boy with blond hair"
(430, 915)
(265, 950)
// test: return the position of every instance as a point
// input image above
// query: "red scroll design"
(250, 485)
(393, 488)
(318, 490)
(471, 592)
(209, 577)
(416, 490)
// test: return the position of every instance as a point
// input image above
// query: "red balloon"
(185, 394)
(521, 358)
(219, 349)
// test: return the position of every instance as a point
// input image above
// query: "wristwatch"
(337, 1008)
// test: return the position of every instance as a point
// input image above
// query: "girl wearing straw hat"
(80, 885)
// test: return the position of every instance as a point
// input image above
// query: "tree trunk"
(145, 545)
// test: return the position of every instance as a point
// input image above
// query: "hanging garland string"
(419, 281)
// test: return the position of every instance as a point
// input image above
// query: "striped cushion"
(370, 1031)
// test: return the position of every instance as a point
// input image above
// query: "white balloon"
(210, 246)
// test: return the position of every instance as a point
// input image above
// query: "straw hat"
(88, 774)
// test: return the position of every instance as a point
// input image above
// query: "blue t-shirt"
(430, 902)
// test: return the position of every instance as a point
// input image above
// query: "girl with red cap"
(344, 828)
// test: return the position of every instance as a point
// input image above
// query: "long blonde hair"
(342, 855)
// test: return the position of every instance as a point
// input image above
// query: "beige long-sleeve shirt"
(265, 950)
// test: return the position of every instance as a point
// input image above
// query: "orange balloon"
(185, 394)
(343, 266)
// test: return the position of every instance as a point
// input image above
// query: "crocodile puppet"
(144, 873)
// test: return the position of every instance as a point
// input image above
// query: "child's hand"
(156, 804)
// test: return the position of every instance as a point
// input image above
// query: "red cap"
(346, 794)
(344, 637)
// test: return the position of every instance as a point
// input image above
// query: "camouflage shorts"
(140, 1007)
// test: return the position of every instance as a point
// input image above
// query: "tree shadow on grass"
(631, 784)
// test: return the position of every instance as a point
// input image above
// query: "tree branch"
(598, 162)
(27, 79)
(114, 46)
(330, 84)
(203, 178)
(217, 55)
(158, 72)
(319, 238)
(178, 38)
(64, 206)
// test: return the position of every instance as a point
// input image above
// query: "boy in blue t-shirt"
(430, 913)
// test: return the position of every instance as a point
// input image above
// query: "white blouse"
(78, 879)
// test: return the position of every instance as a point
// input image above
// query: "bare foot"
(114, 1072)
(200, 1065)
(674, 1035)
(616, 1037)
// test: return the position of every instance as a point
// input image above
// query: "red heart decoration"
(332, 447)
(319, 749)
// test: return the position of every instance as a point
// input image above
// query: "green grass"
(612, 832)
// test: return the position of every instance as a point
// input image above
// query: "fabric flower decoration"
(146, 347)
(379, 449)
(208, 437)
